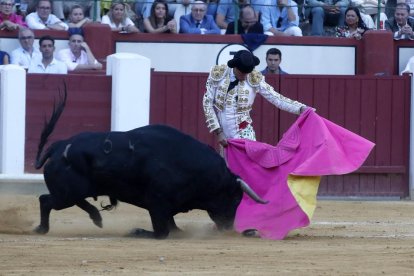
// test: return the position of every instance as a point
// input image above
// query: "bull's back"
(172, 144)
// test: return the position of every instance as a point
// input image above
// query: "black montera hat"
(244, 60)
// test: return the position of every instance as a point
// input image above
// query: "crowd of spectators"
(348, 19)
(276, 17)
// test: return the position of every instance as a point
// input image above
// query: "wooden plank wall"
(376, 108)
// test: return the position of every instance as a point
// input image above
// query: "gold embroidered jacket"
(216, 98)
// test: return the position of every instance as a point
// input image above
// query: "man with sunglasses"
(9, 20)
(43, 19)
(24, 55)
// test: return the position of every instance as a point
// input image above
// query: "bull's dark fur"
(154, 167)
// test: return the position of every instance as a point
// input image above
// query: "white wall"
(197, 57)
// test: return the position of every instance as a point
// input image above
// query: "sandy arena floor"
(345, 238)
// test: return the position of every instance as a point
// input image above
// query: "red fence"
(88, 107)
(376, 108)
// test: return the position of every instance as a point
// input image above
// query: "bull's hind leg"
(47, 203)
(46, 206)
(92, 211)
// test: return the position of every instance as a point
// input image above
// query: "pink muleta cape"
(288, 174)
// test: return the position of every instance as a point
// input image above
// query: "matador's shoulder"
(254, 78)
(218, 72)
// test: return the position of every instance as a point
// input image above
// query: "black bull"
(155, 167)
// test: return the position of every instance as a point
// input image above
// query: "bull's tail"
(49, 127)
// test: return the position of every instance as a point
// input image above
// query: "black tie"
(232, 84)
(198, 24)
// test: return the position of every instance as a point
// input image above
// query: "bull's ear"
(249, 191)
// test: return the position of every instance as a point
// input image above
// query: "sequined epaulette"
(254, 78)
(218, 72)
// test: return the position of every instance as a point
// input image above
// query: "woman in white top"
(118, 19)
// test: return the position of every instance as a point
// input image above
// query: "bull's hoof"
(141, 233)
(41, 229)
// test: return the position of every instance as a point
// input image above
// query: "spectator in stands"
(198, 22)
(4, 58)
(280, 17)
(183, 9)
(8, 19)
(24, 55)
(146, 8)
(159, 21)
(62, 8)
(212, 7)
(77, 17)
(226, 12)
(368, 9)
(47, 64)
(354, 26)
(22, 7)
(326, 12)
(247, 22)
(118, 19)
(42, 19)
(273, 60)
(390, 7)
(401, 24)
(78, 56)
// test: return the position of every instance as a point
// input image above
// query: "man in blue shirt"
(280, 17)
(197, 22)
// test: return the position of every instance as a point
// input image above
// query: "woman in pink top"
(8, 19)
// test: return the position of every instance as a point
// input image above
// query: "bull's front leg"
(160, 223)
(46, 206)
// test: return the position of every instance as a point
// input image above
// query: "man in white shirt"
(48, 64)
(42, 19)
(24, 55)
(78, 56)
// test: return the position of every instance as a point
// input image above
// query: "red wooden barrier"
(375, 107)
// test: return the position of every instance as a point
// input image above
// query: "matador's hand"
(304, 108)
(221, 138)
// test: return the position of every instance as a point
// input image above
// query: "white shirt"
(36, 23)
(23, 58)
(106, 20)
(70, 60)
(55, 67)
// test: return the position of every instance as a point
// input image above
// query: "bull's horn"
(246, 188)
